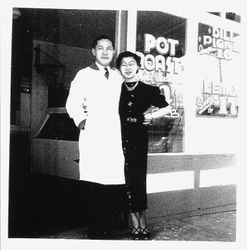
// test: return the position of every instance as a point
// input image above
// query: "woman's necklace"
(132, 87)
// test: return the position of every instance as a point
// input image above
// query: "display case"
(55, 147)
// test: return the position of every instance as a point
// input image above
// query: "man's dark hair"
(98, 38)
(127, 54)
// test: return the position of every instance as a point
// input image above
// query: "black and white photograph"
(121, 125)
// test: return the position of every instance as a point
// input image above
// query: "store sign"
(217, 48)
(217, 99)
(218, 42)
(159, 64)
(159, 55)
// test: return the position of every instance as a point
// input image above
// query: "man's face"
(103, 52)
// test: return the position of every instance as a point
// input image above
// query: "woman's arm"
(148, 117)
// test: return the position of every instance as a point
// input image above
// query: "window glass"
(62, 45)
(160, 42)
(228, 15)
(215, 13)
(233, 16)
(72, 32)
(62, 40)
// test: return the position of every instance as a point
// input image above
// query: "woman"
(136, 98)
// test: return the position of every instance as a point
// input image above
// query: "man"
(93, 105)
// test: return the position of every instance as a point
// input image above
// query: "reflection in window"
(67, 36)
(160, 43)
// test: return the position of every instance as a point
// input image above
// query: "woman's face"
(128, 68)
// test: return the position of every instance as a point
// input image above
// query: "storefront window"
(76, 31)
(218, 53)
(62, 45)
(63, 41)
(160, 42)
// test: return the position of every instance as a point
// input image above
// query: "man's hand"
(82, 124)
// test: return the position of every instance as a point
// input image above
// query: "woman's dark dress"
(132, 105)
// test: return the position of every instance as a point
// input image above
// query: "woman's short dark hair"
(101, 37)
(127, 54)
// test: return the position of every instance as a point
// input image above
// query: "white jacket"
(100, 147)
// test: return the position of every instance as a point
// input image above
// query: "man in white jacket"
(93, 105)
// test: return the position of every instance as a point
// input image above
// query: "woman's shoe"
(135, 233)
(144, 233)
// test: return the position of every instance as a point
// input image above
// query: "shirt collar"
(94, 66)
(100, 67)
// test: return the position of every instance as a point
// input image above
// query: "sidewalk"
(210, 227)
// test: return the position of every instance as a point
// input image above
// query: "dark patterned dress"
(132, 105)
